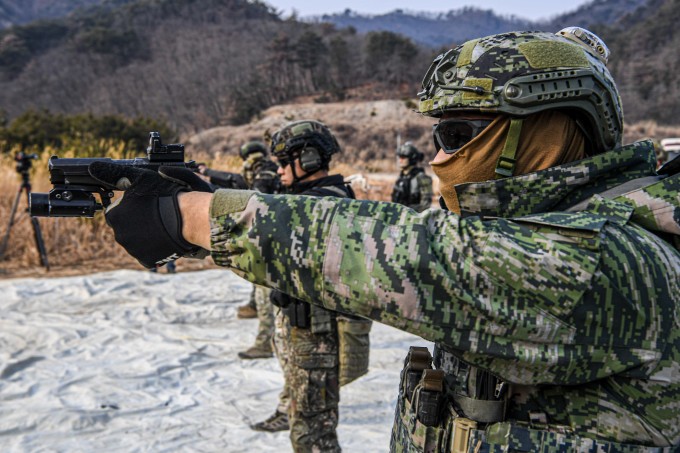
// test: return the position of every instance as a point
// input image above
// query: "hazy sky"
(528, 9)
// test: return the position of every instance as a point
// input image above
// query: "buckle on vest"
(461, 430)
(505, 166)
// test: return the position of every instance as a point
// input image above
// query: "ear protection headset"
(310, 159)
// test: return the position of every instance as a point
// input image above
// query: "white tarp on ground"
(131, 361)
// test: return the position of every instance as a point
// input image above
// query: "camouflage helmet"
(409, 151)
(521, 73)
(306, 138)
(251, 148)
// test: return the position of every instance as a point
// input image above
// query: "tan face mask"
(547, 139)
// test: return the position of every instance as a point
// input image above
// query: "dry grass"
(74, 245)
(367, 131)
(651, 130)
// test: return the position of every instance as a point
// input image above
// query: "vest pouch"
(321, 321)
(354, 348)
(298, 314)
(429, 397)
(417, 360)
(488, 400)
(400, 193)
(414, 195)
(410, 435)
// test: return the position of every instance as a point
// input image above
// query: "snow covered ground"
(132, 361)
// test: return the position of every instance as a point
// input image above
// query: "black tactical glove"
(146, 220)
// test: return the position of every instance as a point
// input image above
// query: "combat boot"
(246, 312)
(256, 352)
(277, 422)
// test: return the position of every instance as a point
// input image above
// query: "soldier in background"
(319, 349)
(551, 288)
(259, 173)
(414, 187)
(258, 170)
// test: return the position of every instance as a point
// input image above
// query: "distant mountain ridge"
(18, 12)
(456, 26)
(431, 29)
(204, 63)
(426, 28)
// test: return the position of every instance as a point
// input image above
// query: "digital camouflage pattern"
(520, 73)
(580, 308)
(282, 353)
(259, 173)
(310, 356)
(312, 383)
(265, 316)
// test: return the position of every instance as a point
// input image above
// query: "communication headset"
(310, 159)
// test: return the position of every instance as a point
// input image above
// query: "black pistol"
(74, 189)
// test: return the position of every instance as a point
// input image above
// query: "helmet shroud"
(412, 153)
(310, 141)
(252, 147)
(521, 73)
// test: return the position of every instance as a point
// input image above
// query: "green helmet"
(521, 73)
(409, 151)
(251, 148)
(309, 140)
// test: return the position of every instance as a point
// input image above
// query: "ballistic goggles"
(284, 160)
(452, 134)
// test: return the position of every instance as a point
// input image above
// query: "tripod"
(23, 166)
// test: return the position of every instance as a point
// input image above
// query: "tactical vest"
(447, 405)
(406, 190)
(353, 332)
(457, 408)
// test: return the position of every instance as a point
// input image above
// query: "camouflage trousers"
(310, 367)
(265, 316)
(282, 353)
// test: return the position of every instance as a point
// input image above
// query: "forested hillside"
(14, 12)
(594, 13)
(197, 64)
(646, 62)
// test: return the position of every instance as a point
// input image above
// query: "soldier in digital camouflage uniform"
(308, 337)
(414, 187)
(259, 173)
(551, 287)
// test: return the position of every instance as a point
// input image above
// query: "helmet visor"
(452, 134)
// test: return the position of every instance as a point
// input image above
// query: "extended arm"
(513, 300)
(503, 296)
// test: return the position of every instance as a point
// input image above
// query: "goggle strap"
(505, 165)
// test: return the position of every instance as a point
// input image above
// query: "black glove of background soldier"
(146, 220)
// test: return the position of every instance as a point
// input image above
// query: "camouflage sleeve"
(493, 290)
(425, 189)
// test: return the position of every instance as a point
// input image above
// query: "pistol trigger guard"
(106, 198)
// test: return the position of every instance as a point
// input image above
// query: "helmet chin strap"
(297, 179)
(505, 166)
